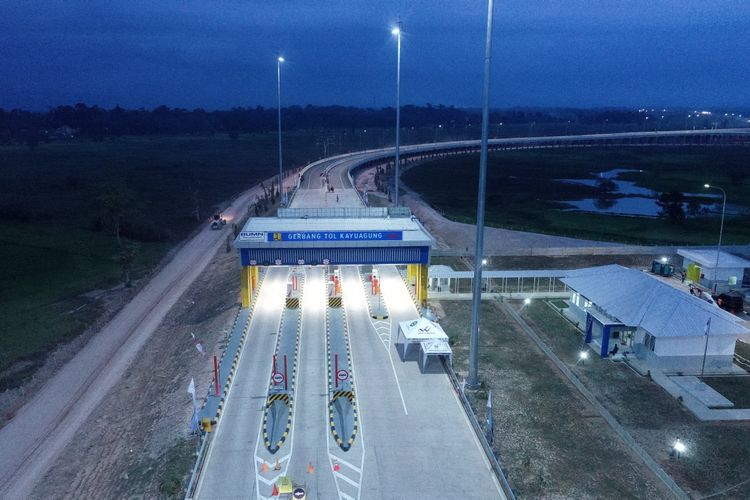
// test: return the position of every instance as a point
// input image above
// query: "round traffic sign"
(326, 262)
(253, 262)
(278, 378)
(342, 375)
(277, 262)
(300, 262)
(298, 493)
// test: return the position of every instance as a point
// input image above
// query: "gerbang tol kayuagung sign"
(336, 236)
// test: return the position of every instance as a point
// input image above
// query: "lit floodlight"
(527, 301)
(281, 59)
(583, 354)
(663, 260)
(484, 262)
(679, 447)
(395, 31)
(707, 186)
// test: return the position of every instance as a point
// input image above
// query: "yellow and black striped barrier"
(334, 301)
(292, 302)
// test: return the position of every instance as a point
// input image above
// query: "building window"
(649, 341)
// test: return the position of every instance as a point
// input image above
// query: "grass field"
(548, 438)
(54, 248)
(717, 457)
(522, 192)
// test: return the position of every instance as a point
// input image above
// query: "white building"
(665, 327)
(730, 269)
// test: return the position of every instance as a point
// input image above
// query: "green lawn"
(522, 192)
(735, 389)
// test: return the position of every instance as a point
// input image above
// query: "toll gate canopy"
(334, 236)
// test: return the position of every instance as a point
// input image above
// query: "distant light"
(281, 59)
(583, 354)
(395, 31)
(707, 186)
(679, 446)
(527, 301)
(484, 262)
(664, 260)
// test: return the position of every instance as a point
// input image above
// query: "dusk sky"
(221, 54)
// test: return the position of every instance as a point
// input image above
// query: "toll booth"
(335, 236)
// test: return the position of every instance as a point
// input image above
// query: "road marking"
(348, 480)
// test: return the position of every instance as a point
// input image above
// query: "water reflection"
(620, 197)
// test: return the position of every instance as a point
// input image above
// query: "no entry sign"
(342, 375)
(278, 378)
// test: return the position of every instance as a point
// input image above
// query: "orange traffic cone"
(310, 468)
(336, 467)
(264, 467)
(277, 465)
(275, 490)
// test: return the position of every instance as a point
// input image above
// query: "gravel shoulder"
(137, 443)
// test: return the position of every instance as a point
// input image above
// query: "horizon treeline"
(94, 122)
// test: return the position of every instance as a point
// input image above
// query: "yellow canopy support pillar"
(246, 288)
(422, 282)
(254, 273)
(411, 275)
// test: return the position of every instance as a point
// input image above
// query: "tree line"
(94, 122)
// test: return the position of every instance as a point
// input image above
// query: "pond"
(627, 198)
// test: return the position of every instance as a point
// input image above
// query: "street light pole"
(473, 380)
(280, 60)
(721, 228)
(397, 31)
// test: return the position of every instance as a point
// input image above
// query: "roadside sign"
(301, 262)
(342, 375)
(298, 493)
(278, 378)
(253, 262)
(277, 262)
(326, 262)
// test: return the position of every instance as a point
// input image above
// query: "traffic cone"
(277, 465)
(336, 467)
(264, 467)
(310, 468)
(275, 490)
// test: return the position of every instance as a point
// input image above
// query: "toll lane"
(229, 471)
(427, 449)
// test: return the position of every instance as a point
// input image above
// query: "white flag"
(191, 391)
(199, 346)
(490, 420)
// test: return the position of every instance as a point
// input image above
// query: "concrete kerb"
(608, 417)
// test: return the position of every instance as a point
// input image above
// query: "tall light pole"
(721, 228)
(397, 31)
(473, 381)
(280, 60)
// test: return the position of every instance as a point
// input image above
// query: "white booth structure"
(730, 268)
(430, 336)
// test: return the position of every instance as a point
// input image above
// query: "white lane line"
(345, 496)
(348, 480)
(351, 466)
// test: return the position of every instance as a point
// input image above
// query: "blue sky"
(219, 54)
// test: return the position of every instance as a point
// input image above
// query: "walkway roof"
(638, 299)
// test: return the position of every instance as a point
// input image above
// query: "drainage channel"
(277, 415)
(342, 403)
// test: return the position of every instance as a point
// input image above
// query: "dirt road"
(44, 426)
